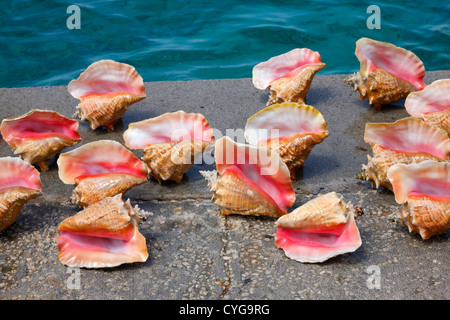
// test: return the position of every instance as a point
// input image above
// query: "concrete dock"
(195, 252)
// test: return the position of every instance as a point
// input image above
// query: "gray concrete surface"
(195, 253)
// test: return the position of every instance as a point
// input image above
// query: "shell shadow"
(317, 165)
(317, 96)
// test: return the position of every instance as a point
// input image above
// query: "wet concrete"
(195, 253)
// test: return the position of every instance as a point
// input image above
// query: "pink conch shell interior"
(264, 168)
(15, 172)
(428, 178)
(108, 238)
(98, 158)
(106, 77)
(433, 98)
(317, 245)
(409, 135)
(38, 124)
(283, 120)
(284, 65)
(397, 61)
(317, 240)
(169, 127)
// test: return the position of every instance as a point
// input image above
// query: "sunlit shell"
(423, 190)
(249, 180)
(290, 129)
(407, 141)
(19, 182)
(100, 169)
(103, 235)
(39, 135)
(288, 76)
(388, 73)
(171, 142)
(319, 230)
(432, 104)
(106, 89)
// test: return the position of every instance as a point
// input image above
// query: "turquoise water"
(191, 40)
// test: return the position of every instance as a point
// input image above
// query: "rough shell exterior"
(170, 161)
(380, 87)
(325, 211)
(90, 190)
(295, 88)
(425, 217)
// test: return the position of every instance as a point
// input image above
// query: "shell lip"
(139, 96)
(261, 125)
(316, 247)
(19, 174)
(170, 127)
(125, 235)
(36, 124)
(296, 71)
(25, 189)
(435, 97)
(142, 176)
(72, 165)
(82, 250)
(367, 54)
(289, 63)
(427, 179)
(375, 134)
(289, 137)
(80, 90)
(331, 229)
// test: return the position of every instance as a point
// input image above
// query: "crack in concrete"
(226, 262)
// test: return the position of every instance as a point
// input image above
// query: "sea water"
(177, 40)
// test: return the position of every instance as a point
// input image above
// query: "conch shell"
(423, 190)
(171, 142)
(387, 74)
(103, 235)
(432, 104)
(290, 129)
(407, 141)
(40, 135)
(100, 169)
(249, 180)
(106, 89)
(19, 183)
(288, 76)
(319, 230)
